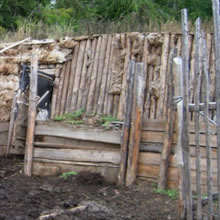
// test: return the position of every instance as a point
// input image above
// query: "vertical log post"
(137, 112)
(178, 78)
(169, 123)
(185, 133)
(31, 116)
(11, 125)
(206, 112)
(216, 17)
(127, 124)
(197, 116)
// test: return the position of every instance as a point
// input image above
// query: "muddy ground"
(80, 197)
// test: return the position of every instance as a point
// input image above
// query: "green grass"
(72, 118)
(106, 120)
(68, 174)
(169, 192)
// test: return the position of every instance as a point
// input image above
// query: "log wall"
(60, 148)
(95, 77)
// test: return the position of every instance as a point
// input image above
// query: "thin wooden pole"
(185, 133)
(216, 18)
(169, 123)
(127, 124)
(134, 142)
(31, 116)
(197, 116)
(11, 125)
(208, 147)
(178, 91)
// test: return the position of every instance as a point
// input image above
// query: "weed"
(106, 120)
(74, 122)
(169, 192)
(68, 174)
(72, 117)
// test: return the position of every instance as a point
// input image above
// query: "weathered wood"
(216, 18)
(197, 72)
(96, 135)
(11, 124)
(169, 124)
(163, 75)
(60, 88)
(122, 102)
(91, 93)
(4, 126)
(208, 147)
(65, 88)
(127, 124)
(80, 155)
(86, 65)
(100, 71)
(54, 96)
(31, 116)
(103, 93)
(89, 73)
(137, 112)
(72, 77)
(212, 106)
(116, 105)
(79, 65)
(184, 136)
(14, 45)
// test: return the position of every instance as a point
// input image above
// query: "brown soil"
(84, 196)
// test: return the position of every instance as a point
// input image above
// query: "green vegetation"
(169, 192)
(41, 19)
(72, 118)
(68, 174)
(106, 120)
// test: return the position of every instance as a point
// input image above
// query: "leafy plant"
(70, 117)
(68, 174)
(169, 192)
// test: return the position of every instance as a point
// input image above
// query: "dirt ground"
(83, 196)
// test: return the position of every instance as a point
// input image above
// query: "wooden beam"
(127, 124)
(169, 125)
(211, 105)
(31, 116)
(135, 136)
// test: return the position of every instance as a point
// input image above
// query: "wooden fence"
(3, 137)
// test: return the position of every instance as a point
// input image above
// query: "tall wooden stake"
(197, 116)
(168, 134)
(135, 136)
(216, 17)
(127, 124)
(31, 116)
(185, 133)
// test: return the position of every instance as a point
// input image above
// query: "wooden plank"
(216, 18)
(78, 155)
(135, 136)
(127, 124)
(65, 88)
(79, 65)
(11, 124)
(93, 146)
(101, 63)
(32, 110)
(85, 68)
(103, 88)
(97, 135)
(116, 105)
(94, 73)
(72, 77)
(169, 125)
